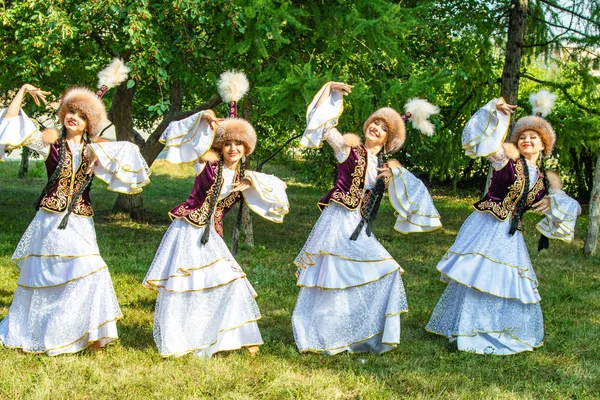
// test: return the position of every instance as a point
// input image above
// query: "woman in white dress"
(351, 292)
(491, 304)
(205, 303)
(65, 301)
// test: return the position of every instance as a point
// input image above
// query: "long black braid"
(88, 181)
(214, 198)
(238, 223)
(520, 209)
(544, 243)
(57, 171)
(374, 201)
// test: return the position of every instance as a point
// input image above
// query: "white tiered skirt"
(65, 299)
(205, 303)
(491, 304)
(351, 292)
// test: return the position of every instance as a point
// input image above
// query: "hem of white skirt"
(310, 262)
(52, 350)
(484, 291)
(475, 332)
(183, 353)
(65, 282)
(158, 288)
(184, 272)
(352, 286)
(347, 347)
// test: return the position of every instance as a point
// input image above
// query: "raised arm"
(485, 132)
(15, 105)
(323, 113)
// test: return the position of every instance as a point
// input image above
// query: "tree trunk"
(132, 204)
(514, 51)
(120, 114)
(512, 60)
(578, 167)
(24, 168)
(591, 239)
(152, 148)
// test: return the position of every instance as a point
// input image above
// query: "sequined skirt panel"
(205, 303)
(491, 303)
(65, 299)
(351, 292)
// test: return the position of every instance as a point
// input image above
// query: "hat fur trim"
(554, 180)
(86, 102)
(50, 135)
(235, 129)
(538, 125)
(99, 139)
(511, 150)
(210, 156)
(352, 140)
(396, 128)
(394, 163)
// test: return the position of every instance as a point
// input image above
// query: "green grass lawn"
(423, 366)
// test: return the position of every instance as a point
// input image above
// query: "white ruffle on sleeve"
(485, 132)
(320, 119)
(121, 166)
(559, 222)
(415, 211)
(188, 139)
(267, 196)
(16, 132)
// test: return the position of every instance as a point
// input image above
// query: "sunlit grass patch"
(423, 366)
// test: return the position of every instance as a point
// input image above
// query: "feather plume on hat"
(232, 86)
(542, 102)
(115, 73)
(420, 110)
(89, 103)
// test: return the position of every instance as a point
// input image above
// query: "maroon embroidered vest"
(349, 182)
(68, 183)
(196, 208)
(506, 189)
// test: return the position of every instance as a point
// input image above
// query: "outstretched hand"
(37, 94)
(542, 206)
(341, 87)
(504, 107)
(386, 172)
(93, 160)
(241, 185)
(212, 119)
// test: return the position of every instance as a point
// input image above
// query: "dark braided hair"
(238, 223)
(374, 201)
(520, 209)
(213, 201)
(88, 181)
(57, 171)
(544, 243)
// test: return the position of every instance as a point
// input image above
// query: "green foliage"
(450, 53)
(424, 366)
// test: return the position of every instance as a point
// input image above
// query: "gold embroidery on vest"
(199, 216)
(355, 194)
(535, 190)
(68, 184)
(502, 210)
(220, 208)
(58, 200)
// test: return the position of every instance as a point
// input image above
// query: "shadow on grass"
(6, 297)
